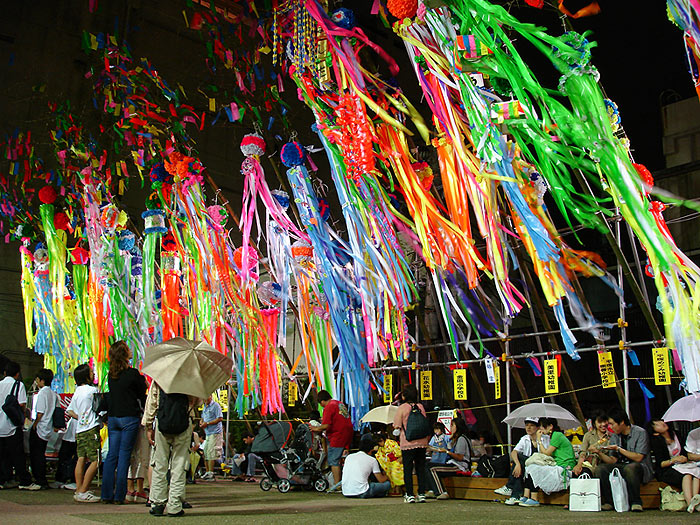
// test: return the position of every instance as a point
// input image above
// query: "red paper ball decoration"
(252, 259)
(402, 8)
(48, 195)
(80, 255)
(252, 144)
(60, 221)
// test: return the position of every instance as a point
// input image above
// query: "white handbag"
(618, 486)
(584, 494)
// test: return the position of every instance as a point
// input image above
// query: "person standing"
(412, 452)
(42, 427)
(125, 401)
(87, 433)
(11, 434)
(629, 451)
(211, 422)
(169, 430)
(339, 431)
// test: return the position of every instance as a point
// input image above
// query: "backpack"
(494, 466)
(417, 425)
(12, 408)
(58, 420)
(173, 413)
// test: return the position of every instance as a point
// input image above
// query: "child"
(438, 441)
(87, 433)
(42, 428)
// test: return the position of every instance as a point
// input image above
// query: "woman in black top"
(127, 395)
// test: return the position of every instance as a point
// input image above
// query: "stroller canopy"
(273, 436)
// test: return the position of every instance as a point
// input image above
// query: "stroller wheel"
(266, 484)
(321, 485)
(283, 485)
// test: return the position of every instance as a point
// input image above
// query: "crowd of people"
(150, 436)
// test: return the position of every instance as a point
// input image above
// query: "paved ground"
(229, 502)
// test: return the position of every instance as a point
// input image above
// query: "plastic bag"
(618, 486)
(672, 500)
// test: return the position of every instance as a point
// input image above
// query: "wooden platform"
(482, 489)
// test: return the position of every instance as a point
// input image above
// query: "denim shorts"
(334, 455)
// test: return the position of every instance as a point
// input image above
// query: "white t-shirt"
(356, 472)
(45, 403)
(525, 447)
(692, 442)
(81, 404)
(69, 433)
(7, 429)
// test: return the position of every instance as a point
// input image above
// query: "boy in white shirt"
(42, 428)
(87, 433)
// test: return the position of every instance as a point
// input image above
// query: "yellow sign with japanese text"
(460, 384)
(292, 393)
(607, 369)
(551, 379)
(388, 386)
(662, 368)
(497, 384)
(426, 385)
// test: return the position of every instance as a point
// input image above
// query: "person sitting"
(357, 470)
(480, 444)
(593, 440)
(250, 461)
(519, 487)
(437, 442)
(389, 457)
(692, 447)
(629, 451)
(671, 463)
(459, 457)
(546, 470)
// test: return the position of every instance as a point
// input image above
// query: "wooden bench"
(482, 489)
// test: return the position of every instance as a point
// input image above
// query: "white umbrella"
(564, 418)
(383, 414)
(685, 409)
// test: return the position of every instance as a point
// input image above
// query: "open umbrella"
(383, 414)
(182, 366)
(564, 418)
(685, 409)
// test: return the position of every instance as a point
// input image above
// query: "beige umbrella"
(383, 414)
(182, 366)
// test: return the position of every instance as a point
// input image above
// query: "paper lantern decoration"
(344, 18)
(282, 198)
(270, 293)
(127, 240)
(159, 174)
(302, 253)
(170, 262)
(110, 217)
(168, 243)
(154, 222)
(47, 194)
(251, 261)
(402, 8)
(60, 221)
(253, 144)
(292, 154)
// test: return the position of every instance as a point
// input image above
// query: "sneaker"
(129, 498)
(421, 498)
(528, 502)
(512, 501)
(157, 510)
(504, 491)
(56, 485)
(694, 503)
(86, 497)
(409, 499)
(606, 506)
(31, 486)
(207, 476)
(430, 494)
(140, 497)
(12, 484)
(444, 495)
(69, 486)
(636, 508)
(186, 505)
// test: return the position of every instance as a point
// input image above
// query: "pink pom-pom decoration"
(250, 262)
(218, 216)
(80, 255)
(253, 144)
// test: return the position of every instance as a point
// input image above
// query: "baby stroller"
(287, 461)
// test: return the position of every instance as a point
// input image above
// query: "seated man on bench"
(629, 451)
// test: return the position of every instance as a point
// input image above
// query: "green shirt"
(564, 452)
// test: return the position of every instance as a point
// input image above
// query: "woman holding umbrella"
(127, 394)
